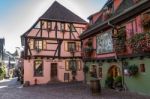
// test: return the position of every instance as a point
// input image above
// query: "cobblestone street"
(59, 91)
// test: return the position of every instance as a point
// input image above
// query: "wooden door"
(54, 71)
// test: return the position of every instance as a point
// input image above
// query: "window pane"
(39, 44)
(73, 64)
(71, 46)
(38, 68)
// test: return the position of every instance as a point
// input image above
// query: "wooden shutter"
(78, 46)
(66, 46)
(44, 44)
(66, 65)
(79, 67)
(31, 44)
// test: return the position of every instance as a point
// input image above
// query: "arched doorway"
(114, 79)
(114, 71)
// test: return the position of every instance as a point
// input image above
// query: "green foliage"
(2, 71)
(109, 82)
(88, 49)
(118, 79)
(138, 42)
(85, 69)
(118, 82)
(133, 70)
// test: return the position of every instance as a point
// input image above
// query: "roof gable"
(124, 5)
(58, 12)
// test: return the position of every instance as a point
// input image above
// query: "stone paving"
(62, 91)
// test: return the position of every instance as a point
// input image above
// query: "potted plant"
(109, 82)
(133, 70)
(89, 48)
(140, 42)
(118, 83)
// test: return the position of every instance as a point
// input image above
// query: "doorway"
(54, 72)
(114, 71)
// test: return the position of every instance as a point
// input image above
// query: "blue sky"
(17, 16)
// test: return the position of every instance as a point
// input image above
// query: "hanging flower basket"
(140, 42)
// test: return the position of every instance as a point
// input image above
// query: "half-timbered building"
(116, 45)
(52, 48)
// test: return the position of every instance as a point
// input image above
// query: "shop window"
(38, 68)
(142, 67)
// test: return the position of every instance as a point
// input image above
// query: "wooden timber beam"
(41, 28)
(46, 38)
(29, 48)
(58, 49)
(26, 48)
(56, 29)
(52, 57)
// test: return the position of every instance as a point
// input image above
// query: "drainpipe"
(123, 81)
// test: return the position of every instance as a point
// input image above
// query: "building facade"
(2, 43)
(52, 48)
(116, 45)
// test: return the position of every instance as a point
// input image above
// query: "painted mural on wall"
(104, 43)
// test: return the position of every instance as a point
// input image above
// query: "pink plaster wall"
(133, 27)
(28, 72)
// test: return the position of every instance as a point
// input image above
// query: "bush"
(85, 69)
(109, 82)
(133, 70)
(2, 72)
(118, 82)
